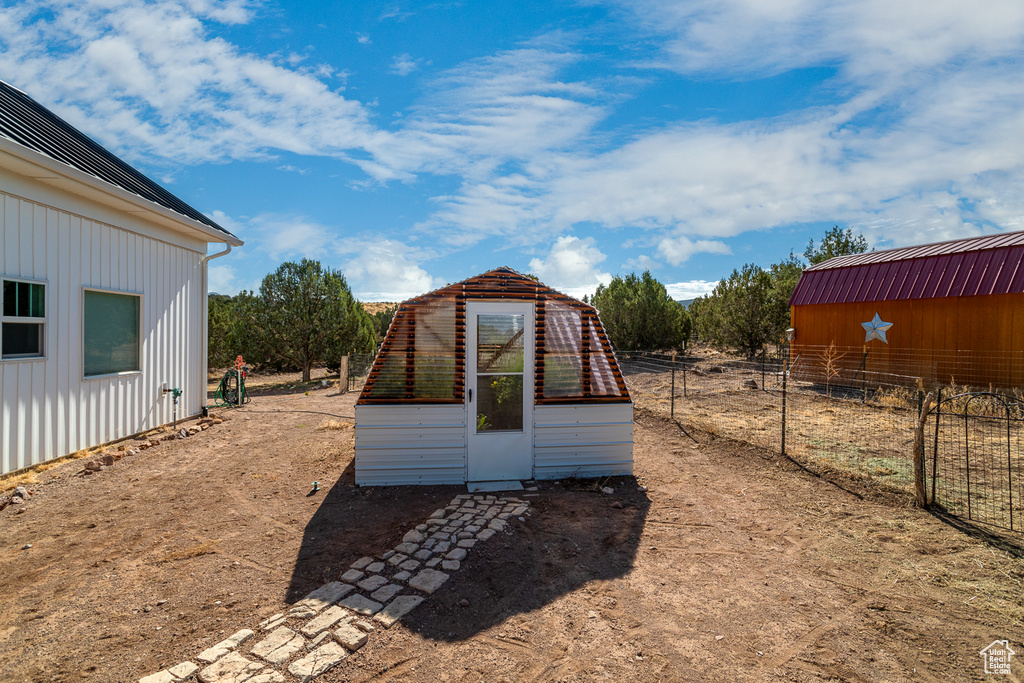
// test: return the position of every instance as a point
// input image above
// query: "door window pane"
(111, 333)
(499, 343)
(499, 403)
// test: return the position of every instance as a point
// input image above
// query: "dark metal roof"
(993, 264)
(31, 125)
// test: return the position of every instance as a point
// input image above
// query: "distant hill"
(685, 302)
(373, 307)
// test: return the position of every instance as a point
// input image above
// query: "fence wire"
(973, 460)
(359, 365)
(864, 426)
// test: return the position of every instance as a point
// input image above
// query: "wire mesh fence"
(358, 367)
(973, 460)
(838, 419)
(835, 409)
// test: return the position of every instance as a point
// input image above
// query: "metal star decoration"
(876, 329)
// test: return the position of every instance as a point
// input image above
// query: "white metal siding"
(583, 440)
(410, 445)
(402, 444)
(49, 409)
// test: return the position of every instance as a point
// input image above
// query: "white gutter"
(205, 364)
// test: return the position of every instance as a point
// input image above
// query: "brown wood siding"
(973, 340)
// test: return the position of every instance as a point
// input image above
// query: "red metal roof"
(969, 267)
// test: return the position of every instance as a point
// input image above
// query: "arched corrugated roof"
(967, 267)
(423, 356)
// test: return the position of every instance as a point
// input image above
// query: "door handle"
(470, 395)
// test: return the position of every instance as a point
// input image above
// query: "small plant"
(829, 362)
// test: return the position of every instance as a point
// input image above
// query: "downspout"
(206, 326)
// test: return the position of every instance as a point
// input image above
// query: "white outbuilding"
(104, 285)
(491, 380)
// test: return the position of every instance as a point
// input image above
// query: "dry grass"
(333, 425)
(194, 551)
(30, 475)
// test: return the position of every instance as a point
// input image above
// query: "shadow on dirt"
(572, 536)
(1007, 541)
(352, 522)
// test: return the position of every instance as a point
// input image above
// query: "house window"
(111, 337)
(23, 327)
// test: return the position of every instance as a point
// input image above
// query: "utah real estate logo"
(997, 657)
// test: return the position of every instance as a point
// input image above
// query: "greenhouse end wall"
(426, 445)
(495, 378)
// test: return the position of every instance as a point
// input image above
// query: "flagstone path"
(336, 619)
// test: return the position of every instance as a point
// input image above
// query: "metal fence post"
(684, 378)
(935, 447)
(672, 410)
(785, 371)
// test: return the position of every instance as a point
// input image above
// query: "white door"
(499, 390)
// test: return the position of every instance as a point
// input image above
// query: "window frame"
(42, 322)
(125, 373)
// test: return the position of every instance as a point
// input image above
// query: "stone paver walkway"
(336, 619)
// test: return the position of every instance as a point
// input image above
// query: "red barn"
(946, 311)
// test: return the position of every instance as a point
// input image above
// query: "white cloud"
(572, 266)
(681, 291)
(933, 104)
(867, 38)
(222, 279)
(187, 97)
(363, 39)
(676, 250)
(386, 270)
(280, 237)
(919, 138)
(640, 263)
(395, 13)
(404, 64)
(511, 107)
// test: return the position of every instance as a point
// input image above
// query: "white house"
(493, 379)
(104, 281)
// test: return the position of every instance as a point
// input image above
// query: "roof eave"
(56, 173)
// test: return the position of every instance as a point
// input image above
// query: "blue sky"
(415, 144)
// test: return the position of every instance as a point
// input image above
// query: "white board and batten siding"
(406, 444)
(591, 440)
(403, 444)
(70, 244)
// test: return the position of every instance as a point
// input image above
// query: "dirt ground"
(732, 564)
